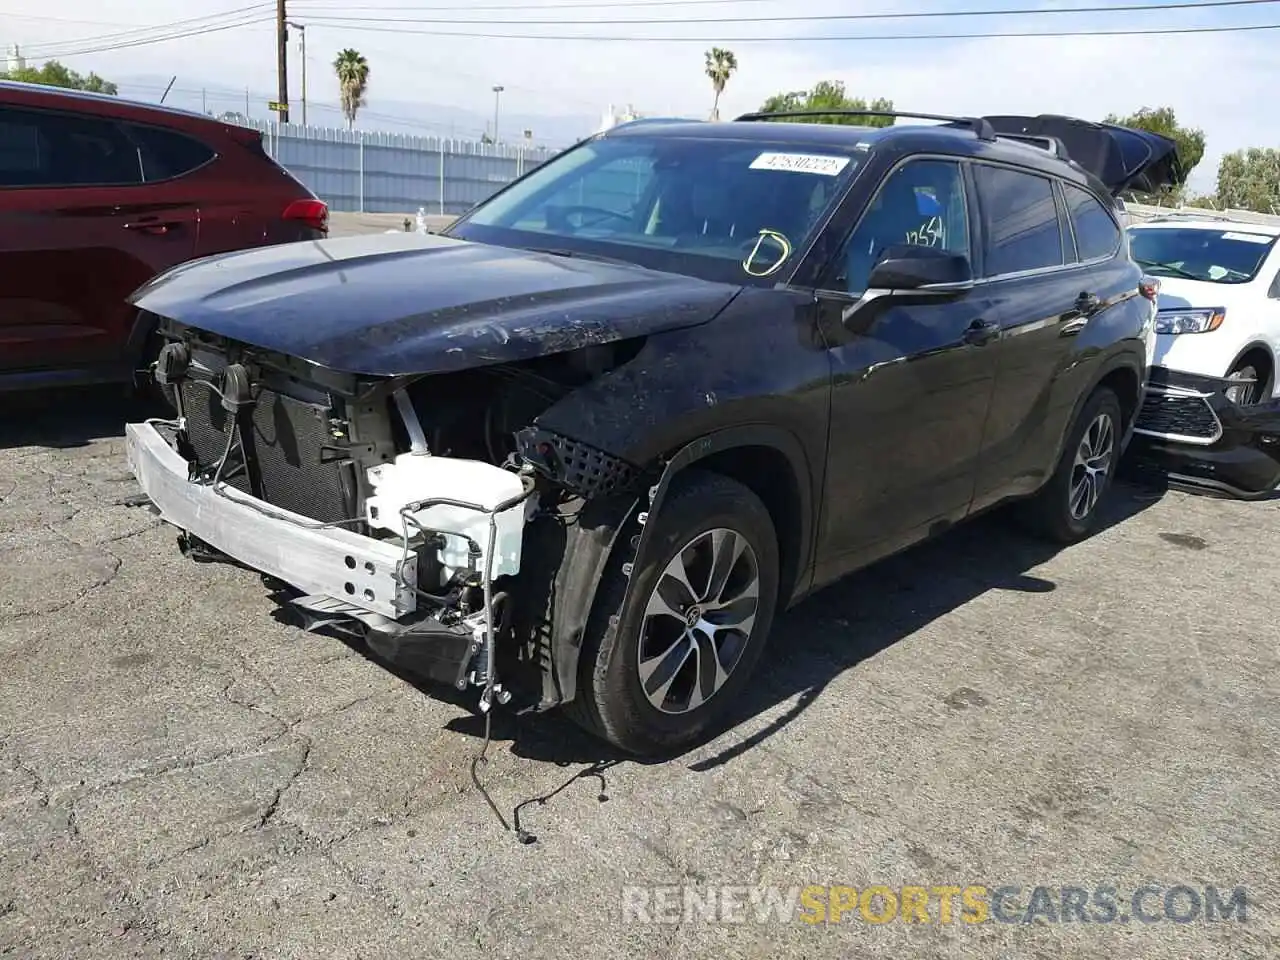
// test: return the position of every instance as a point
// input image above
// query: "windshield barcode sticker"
(1248, 237)
(800, 163)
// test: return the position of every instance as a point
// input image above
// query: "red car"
(97, 196)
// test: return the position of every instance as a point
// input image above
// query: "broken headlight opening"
(310, 485)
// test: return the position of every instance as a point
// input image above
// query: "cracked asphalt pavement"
(183, 774)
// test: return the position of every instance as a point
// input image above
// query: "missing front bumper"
(312, 557)
(1198, 438)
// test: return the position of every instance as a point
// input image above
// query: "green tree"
(1162, 120)
(1250, 180)
(830, 95)
(353, 81)
(721, 65)
(54, 74)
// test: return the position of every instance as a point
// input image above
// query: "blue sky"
(435, 84)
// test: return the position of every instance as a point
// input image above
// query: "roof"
(828, 134)
(962, 141)
(99, 99)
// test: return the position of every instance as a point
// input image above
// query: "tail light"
(1149, 287)
(310, 212)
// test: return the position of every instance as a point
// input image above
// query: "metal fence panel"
(368, 172)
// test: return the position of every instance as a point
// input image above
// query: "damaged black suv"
(582, 447)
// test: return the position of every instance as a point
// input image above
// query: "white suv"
(1219, 305)
(1210, 418)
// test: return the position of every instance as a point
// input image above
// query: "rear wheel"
(657, 673)
(1066, 508)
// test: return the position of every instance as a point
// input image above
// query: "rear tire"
(1065, 510)
(657, 674)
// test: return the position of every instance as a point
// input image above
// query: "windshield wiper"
(1171, 267)
(575, 255)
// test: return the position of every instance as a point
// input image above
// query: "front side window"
(39, 148)
(1096, 233)
(923, 203)
(689, 205)
(1216, 255)
(1021, 220)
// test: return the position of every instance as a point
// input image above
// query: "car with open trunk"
(581, 448)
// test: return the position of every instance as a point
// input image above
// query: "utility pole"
(497, 94)
(282, 61)
(302, 42)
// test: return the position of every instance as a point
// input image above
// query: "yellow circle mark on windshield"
(773, 267)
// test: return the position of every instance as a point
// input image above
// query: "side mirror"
(909, 271)
(909, 267)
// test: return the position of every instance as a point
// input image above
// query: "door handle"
(1087, 304)
(981, 332)
(158, 227)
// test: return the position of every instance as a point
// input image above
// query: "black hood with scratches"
(402, 304)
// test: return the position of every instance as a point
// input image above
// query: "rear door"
(79, 231)
(1046, 249)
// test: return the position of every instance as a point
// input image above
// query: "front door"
(912, 378)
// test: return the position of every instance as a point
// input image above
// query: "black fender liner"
(1256, 345)
(591, 531)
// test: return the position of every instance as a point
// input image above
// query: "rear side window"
(166, 154)
(1021, 220)
(49, 149)
(1096, 233)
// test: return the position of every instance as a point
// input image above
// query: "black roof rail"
(979, 125)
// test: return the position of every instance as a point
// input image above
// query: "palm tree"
(353, 79)
(720, 65)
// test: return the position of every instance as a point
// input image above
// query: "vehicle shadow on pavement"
(71, 417)
(839, 627)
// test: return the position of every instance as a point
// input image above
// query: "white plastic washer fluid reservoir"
(414, 477)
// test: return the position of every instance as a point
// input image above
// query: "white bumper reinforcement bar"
(315, 559)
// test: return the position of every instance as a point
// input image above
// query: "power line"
(811, 18)
(88, 23)
(881, 38)
(525, 7)
(146, 41)
(142, 31)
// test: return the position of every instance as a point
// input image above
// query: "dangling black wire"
(522, 835)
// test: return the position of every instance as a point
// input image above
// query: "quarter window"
(922, 202)
(1021, 220)
(166, 154)
(1096, 233)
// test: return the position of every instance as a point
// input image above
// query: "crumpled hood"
(397, 304)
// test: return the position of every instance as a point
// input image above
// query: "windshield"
(1195, 253)
(718, 209)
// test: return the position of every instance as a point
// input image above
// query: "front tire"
(657, 674)
(1249, 388)
(1066, 508)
